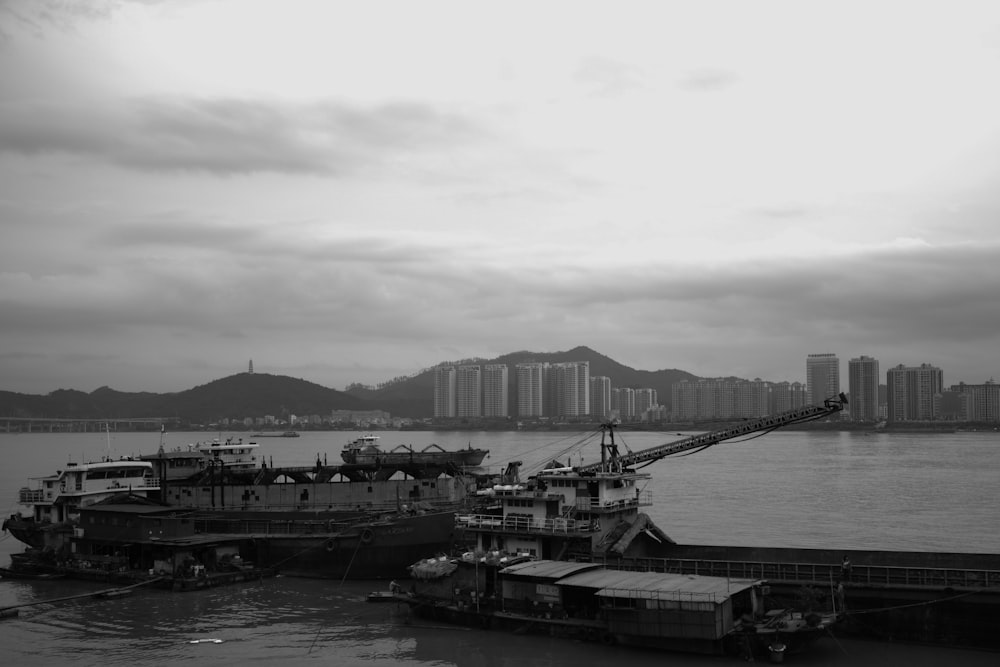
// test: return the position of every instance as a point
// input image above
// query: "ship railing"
(818, 573)
(28, 496)
(272, 527)
(513, 523)
(592, 504)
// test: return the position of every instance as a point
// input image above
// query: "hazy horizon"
(351, 192)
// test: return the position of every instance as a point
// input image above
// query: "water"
(845, 490)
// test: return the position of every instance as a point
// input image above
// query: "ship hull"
(374, 550)
(463, 458)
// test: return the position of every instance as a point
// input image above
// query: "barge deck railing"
(875, 575)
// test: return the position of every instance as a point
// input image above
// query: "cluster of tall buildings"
(567, 390)
(906, 393)
(910, 393)
(559, 390)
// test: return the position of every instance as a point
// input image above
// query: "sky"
(356, 191)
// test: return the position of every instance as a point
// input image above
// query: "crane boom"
(806, 413)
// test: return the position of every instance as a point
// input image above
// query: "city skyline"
(350, 192)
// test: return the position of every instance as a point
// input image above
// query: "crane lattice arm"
(807, 413)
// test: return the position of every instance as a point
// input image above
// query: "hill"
(237, 396)
(414, 396)
(257, 394)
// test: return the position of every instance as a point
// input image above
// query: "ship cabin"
(559, 511)
(177, 464)
(58, 498)
(649, 609)
(134, 536)
(233, 454)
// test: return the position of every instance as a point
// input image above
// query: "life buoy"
(367, 536)
(331, 545)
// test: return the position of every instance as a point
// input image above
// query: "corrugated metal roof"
(656, 585)
(134, 508)
(549, 569)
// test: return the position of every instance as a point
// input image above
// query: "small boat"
(381, 596)
(365, 451)
(112, 593)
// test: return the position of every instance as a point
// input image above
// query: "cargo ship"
(366, 451)
(345, 521)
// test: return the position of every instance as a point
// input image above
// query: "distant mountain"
(415, 396)
(236, 396)
(257, 394)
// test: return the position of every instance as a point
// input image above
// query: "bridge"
(78, 425)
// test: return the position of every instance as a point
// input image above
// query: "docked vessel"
(588, 602)
(544, 555)
(323, 521)
(366, 451)
(231, 454)
(53, 502)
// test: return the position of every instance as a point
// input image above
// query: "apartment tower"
(444, 391)
(495, 386)
(530, 385)
(862, 383)
(822, 377)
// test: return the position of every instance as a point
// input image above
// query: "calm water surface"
(890, 491)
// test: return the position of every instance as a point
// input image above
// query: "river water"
(920, 492)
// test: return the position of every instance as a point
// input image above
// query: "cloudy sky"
(352, 191)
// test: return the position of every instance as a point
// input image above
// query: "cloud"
(608, 77)
(239, 136)
(708, 80)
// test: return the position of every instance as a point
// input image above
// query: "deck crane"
(612, 460)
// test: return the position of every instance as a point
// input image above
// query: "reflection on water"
(293, 621)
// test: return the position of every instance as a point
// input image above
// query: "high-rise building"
(822, 377)
(862, 383)
(569, 383)
(683, 400)
(495, 386)
(444, 391)
(787, 396)
(600, 396)
(645, 400)
(983, 401)
(530, 386)
(469, 391)
(623, 403)
(910, 392)
(751, 398)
